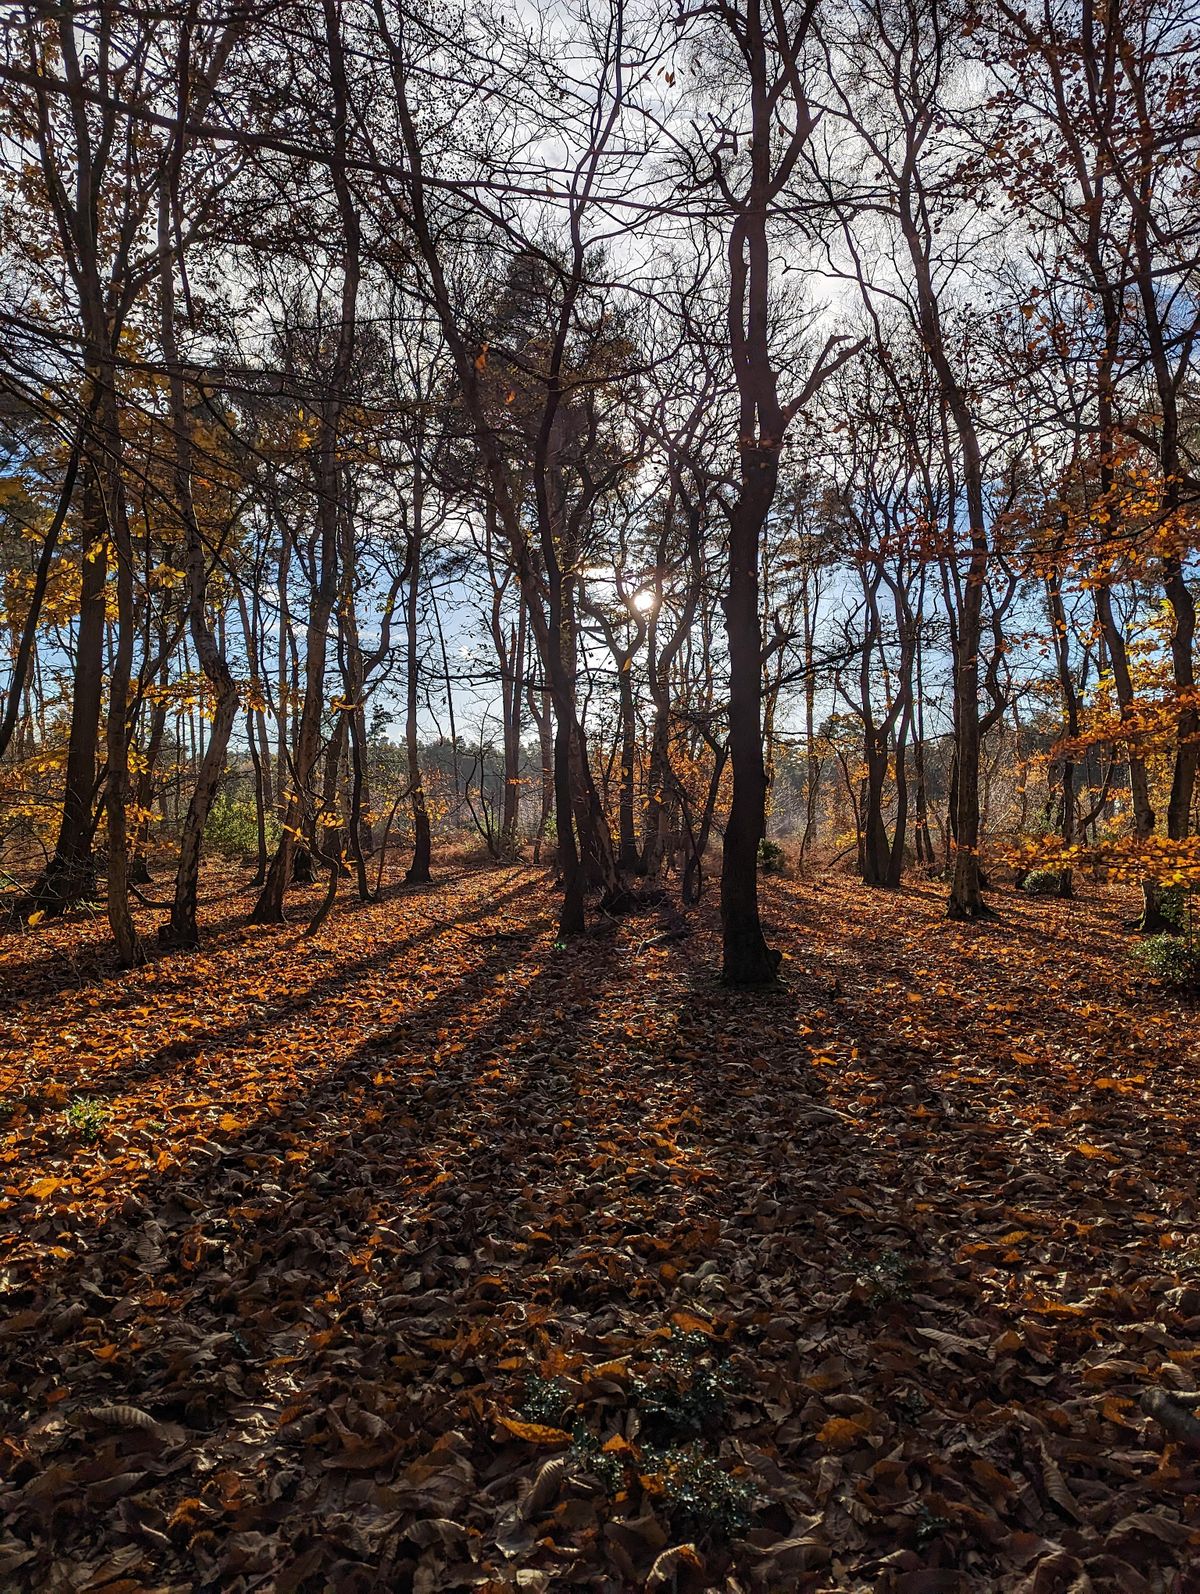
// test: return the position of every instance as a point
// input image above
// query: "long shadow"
(290, 1111)
(340, 1253)
(238, 1033)
(55, 971)
(930, 1068)
(547, 1082)
(505, 1035)
(263, 1027)
(427, 1094)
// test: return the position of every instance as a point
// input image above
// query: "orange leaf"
(535, 1433)
(839, 1433)
(1092, 1152)
(690, 1323)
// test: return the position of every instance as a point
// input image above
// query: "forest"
(599, 813)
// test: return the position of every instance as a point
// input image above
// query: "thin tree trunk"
(182, 930)
(329, 483)
(418, 870)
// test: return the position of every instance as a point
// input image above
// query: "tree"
(764, 47)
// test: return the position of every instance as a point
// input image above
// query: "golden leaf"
(839, 1433)
(690, 1323)
(534, 1433)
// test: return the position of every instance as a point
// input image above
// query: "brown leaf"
(1056, 1485)
(666, 1566)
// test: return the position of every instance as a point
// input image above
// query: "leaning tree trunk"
(692, 883)
(966, 888)
(144, 794)
(25, 637)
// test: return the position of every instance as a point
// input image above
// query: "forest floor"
(425, 1254)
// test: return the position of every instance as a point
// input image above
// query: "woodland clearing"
(428, 1253)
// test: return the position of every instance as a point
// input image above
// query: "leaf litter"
(426, 1254)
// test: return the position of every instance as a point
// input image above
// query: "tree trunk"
(812, 776)
(330, 498)
(876, 849)
(1139, 783)
(120, 918)
(418, 869)
(70, 875)
(692, 875)
(656, 819)
(747, 959)
(627, 850)
(182, 930)
(513, 701)
(539, 708)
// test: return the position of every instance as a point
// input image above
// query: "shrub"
(683, 1394)
(1041, 883)
(547, 1400)
(1170, 959)
(232, 826)
(1177, 908)
(771, 859)
(885, 1280)
(586, 1449)
(698, 1495)
(929, 1525)
(88, 1117)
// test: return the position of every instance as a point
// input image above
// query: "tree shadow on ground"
(334, 1293)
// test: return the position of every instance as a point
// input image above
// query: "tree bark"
(419, 868)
